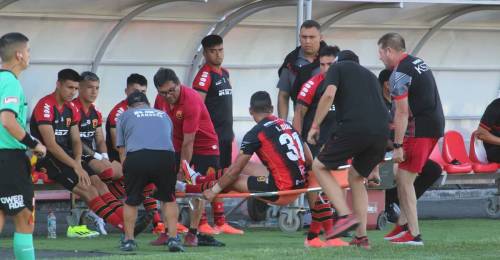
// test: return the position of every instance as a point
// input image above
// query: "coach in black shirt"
(361, 134)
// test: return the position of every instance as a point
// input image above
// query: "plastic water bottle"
(51, 225)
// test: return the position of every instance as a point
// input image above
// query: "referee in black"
(144, 142)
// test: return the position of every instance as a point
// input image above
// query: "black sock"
(193, 231)
(311, 236)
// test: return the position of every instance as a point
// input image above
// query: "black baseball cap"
(347, 55)
(136, 97)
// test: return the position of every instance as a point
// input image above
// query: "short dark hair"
(8, 42)
(329, 51)
(135, 78)
(392, 40)
(310, 24)
(211, 41)
(260, 102)
(164, 75)
(347, 55)
(137, 97)
(68, 74)
(89, 76)
(384, 76)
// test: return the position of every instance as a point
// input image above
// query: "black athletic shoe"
(142, 223)
(206, 240)
(174, 244)
(392, 212)
(128, 245)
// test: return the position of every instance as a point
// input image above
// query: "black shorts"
(150, 166)
(16, 187)
(59, 172)
(315, 148)
(367, 152)
(204, 164)
(262, 184)
(226, 153)
(86, 165)
(493, 153)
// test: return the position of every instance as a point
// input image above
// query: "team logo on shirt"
(68, 122)
(10, 100)
(179, 115)
(94, 123)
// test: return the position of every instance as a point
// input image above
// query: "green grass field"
(444, 239)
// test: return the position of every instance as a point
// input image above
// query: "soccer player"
(418, 124)
(489, 131)
(276, 144)
(212, 83)
(16, 188)
(135, 82)
(195, 140)
(299, 65)
(307, 102)
(95, 158)
(55, 122)
(362, 134)
(144, 137)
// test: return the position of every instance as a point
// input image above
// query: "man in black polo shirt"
(418, 124)
(489, 131)
(299, 65)
(212, 83)
(307, 103)
(361, 134)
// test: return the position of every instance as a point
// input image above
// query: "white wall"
(465, 61)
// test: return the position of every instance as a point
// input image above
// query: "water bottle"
(51, 225)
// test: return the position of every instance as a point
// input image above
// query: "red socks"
(102, 210)
(199, 188)
(218, 208)
(117, 188)
(106, 175)
(322, 216)
(115, 205)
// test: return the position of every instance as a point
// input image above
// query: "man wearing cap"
(361, 134)
(144, 143)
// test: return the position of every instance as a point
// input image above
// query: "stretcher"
(290, 206)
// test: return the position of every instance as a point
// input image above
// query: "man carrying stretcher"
(280, 148)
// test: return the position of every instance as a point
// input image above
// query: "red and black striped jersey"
(309, 96)
(117, 110)
(219, 99)
(281, 150)
(89, 121)
(62, 118)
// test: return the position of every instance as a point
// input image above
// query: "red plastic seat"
(454, 154)
(436, 156)
(477, 155)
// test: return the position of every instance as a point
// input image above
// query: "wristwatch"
(396, 145)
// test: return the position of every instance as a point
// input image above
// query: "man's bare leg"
(170, 215)
(408, 199)
(130, 216)
(360, 200)
(331, 188)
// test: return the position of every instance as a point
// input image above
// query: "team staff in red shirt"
(194, 137)
(212, 83)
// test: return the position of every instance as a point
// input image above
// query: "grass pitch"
(444, 239)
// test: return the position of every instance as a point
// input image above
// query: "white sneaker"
(190, 175)
(98, 222)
